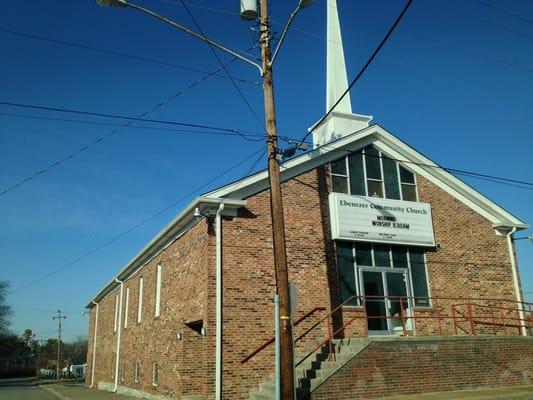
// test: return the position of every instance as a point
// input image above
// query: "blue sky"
(454, 81)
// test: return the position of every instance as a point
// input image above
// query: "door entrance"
(383, 290)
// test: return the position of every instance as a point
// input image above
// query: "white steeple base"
(337, 125)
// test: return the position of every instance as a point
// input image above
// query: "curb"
(54, 392)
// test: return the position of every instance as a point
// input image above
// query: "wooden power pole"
(59, 317)
(276, 205)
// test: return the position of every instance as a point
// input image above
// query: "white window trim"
(140, 303)
(382, 180)
(409, 284)
(126, 311)
(158, 291)
(398, 165)
(137, 371)
(154, 374)
(116, 314)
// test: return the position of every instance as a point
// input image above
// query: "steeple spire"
(337, 81)
(341, 122)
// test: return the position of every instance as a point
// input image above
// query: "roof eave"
(184, 220)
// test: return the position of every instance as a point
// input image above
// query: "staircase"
(316, 369)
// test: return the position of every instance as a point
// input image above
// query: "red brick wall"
(183, 364)
(470, 261)
(416, 366)
(249, 281)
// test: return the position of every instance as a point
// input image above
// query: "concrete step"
(257, 395)
(316, 368)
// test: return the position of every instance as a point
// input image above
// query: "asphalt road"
(23, 390)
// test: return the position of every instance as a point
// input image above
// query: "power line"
(136, 226)
(526, 185)
(116, 53)
(362, 71)
(247, 133)
(116, 116)
(241, 94)
(130, 121)
(502, 10)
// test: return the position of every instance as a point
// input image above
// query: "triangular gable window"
(369, 172)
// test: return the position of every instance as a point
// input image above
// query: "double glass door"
(383, 291)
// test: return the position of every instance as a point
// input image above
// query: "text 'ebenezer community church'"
(406, 279)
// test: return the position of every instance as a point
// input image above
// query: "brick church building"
(389, 254)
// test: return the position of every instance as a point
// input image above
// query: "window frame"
(381, 173)
(381, 155)
(137, 371)
(127, 307)
(140, 300)
(155, 374)
(398, 166)
(115, 323)
(158, 277)
(374, 267)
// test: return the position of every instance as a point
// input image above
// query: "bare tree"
(5, 309)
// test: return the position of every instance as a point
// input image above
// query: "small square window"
(406, 176)
(339, 167)
(408, 192)
(375, 189)
(339, 184)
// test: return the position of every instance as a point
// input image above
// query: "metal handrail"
(470, 317)
(271, 340)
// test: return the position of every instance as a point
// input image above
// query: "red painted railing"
(466, 316)
(271, 340)
(458, 316)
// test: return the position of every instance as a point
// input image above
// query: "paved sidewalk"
(500, 393)
(78, 391)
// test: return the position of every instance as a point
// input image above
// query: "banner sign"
(372, 219)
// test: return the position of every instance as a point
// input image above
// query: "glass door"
(375, 301)
(383, 291)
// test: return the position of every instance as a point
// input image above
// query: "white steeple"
(341, 121)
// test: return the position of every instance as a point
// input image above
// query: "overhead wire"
(241, 94)
(248, 134)
(116, 116)
(509, 181)
(116, 53)
(504, 11)
(130, 120)
(364, 68)
(136, 226)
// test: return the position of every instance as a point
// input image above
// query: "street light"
(301, 4)
(278, 223)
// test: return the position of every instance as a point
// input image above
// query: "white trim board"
(385, 141)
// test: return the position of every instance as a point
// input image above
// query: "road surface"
(23, 390)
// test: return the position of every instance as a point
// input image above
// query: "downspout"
(94, 344)
(218, 273)
(514, 268)
(119, 330)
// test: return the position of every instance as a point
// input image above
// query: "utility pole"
(276, 205)
(40, 345)
(59, 317)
